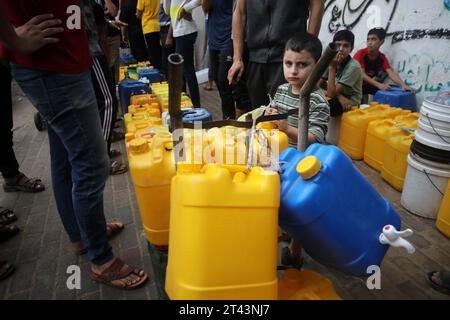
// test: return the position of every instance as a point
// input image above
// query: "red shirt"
(70, 55)
(372, 67)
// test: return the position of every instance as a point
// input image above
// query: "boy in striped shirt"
(301, 54)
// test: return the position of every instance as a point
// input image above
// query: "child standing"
(300, 56)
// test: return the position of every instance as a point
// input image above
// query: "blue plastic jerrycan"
(196, 114)
(332, 211)
(129, 87)
(397, 97)
(153, 75)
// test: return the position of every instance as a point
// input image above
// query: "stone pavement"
(41, 252)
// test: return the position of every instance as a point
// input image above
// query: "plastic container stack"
(428, 169)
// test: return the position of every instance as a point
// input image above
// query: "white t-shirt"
(172, 8)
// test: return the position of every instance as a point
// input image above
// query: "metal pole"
(307, 88)
(175, 75)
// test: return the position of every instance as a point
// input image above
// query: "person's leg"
(67, 103)
(225, 89)
(184, 45)
(165, 52)
(103, 96)
(9, 167)
(257, 89)
(8, 162)
(114, 52)
(137, 45)
(154, 49)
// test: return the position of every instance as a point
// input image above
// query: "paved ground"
(42, 254)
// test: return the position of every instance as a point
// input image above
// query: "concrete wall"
(417, 45)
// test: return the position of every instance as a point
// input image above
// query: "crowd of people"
(261, 53)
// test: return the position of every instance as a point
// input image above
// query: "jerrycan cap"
(308, 167)
(139, 146)
(129, 136)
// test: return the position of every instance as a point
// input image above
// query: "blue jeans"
(79, 161)
(184, 45)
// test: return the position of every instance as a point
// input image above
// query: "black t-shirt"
(128, 15)
(111, 31)
(99, 16)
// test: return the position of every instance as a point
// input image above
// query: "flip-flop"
(6, 269)
(445, 279)
(7, 216)
(7, 232)
(118, 271)
(23, 183)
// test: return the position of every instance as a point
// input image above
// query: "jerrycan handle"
(393, 237)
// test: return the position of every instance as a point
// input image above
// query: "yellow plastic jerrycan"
(394, 165)
(225, 146)
(443, 218)
(141, 121)
(379, 131)
(152, 168)
(141, 99)
(354, 125)
(305, 285)
(151, 110)
(223, 233)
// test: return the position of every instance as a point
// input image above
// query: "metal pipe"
(305, 92)
(175, 75)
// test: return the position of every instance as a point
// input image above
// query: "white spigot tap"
(393, 237)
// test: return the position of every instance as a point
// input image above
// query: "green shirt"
(319, 110)
(350, 76)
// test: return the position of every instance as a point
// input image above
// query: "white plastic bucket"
(334, 128)
(425, 185)
(434, 125)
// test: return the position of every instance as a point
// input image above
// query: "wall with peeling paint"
(418, 41)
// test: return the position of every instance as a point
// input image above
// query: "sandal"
(115, 275)
(112, 229)
(444, 285)
(117, 168)
(117, 136)
(6, 216)
(6, 269)
(7, 232)
(114, 153)
(21, 183)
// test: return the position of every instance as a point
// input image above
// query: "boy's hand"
(270, 111)
(384, 86)
(282, 125)
(408, 88)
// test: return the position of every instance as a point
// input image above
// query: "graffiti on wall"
(421, 71)
(350, 15)
(426, 71)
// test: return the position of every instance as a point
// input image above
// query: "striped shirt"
(319, 110)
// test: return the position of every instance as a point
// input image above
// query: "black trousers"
(137, 45)
(232, 96)
(219, 66)
(165, 52)
(103, 83)
(9, 167)
(263, 79)
(153, 49)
